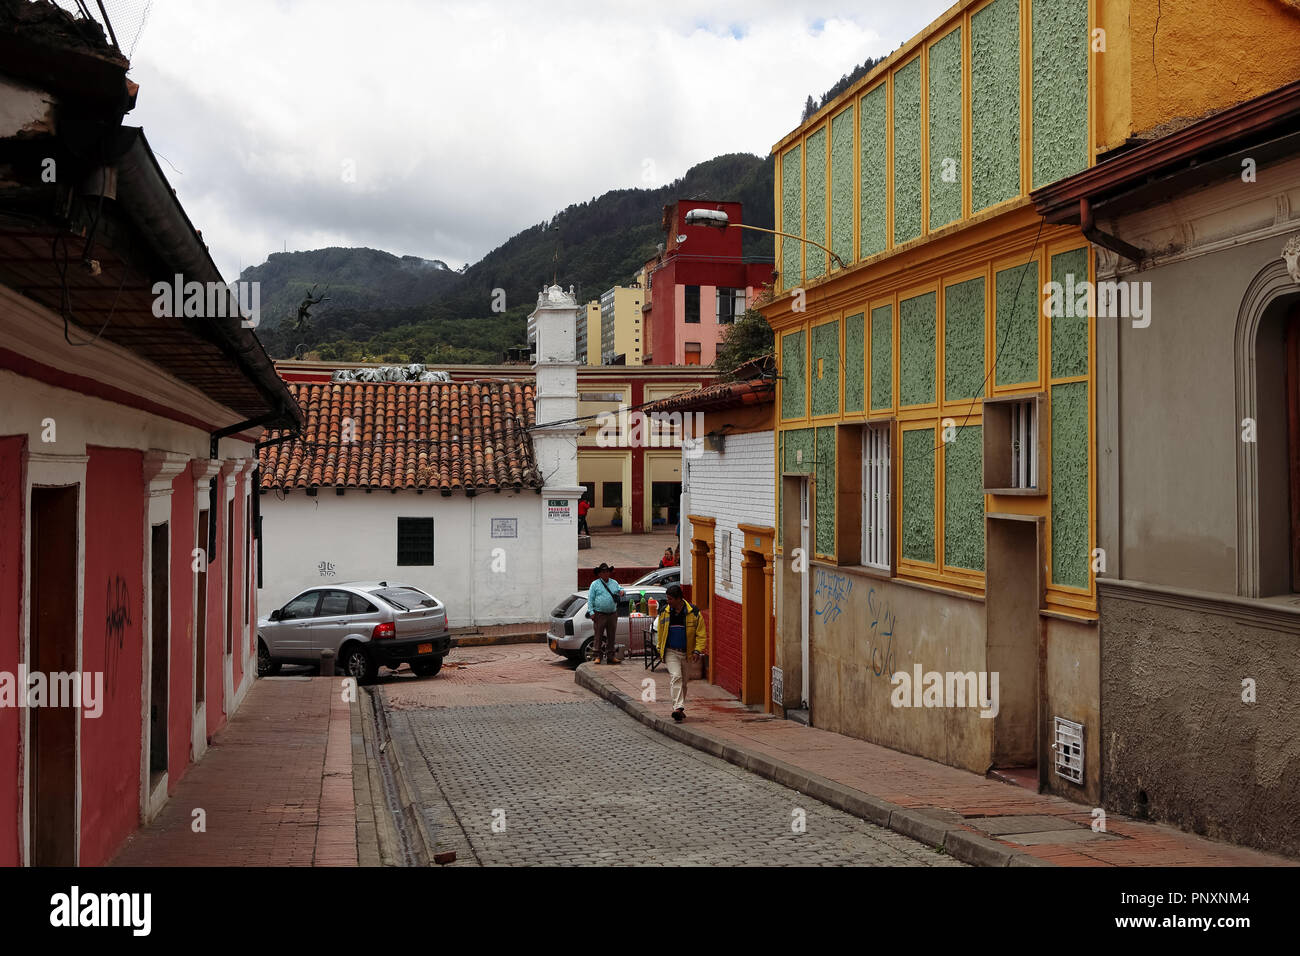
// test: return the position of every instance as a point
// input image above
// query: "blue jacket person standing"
(602, 601)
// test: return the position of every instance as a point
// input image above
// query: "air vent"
(1069, 750)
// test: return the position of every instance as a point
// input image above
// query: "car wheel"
(587, 649)
(427, 668)
(266, 665)
(356, 663)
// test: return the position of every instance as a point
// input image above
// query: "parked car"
(661, 577)
(365, 623)
(571, 632)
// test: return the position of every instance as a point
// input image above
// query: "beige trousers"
(676, 664)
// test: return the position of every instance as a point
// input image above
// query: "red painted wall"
(180, 711)
(111, 743)
(12, 509)
(235, 602)
(215, 684)
(726, 644)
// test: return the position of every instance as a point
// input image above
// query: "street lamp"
(717, 219)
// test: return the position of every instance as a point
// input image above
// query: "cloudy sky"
(439, 128)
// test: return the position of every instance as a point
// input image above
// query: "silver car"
(572, 634)
(365, 623)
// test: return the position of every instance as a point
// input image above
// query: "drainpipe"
(1105, 239)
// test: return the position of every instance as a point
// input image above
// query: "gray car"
(572, 634)
(365, 623)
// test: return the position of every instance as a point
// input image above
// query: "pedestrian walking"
(583, 507)
(681, 633)
(602, 604)
(667, 561)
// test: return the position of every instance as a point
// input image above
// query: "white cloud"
(467, 122)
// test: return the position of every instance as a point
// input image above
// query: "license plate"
(424, 649)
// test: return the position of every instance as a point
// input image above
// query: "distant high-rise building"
(620, 325)
(589, 333)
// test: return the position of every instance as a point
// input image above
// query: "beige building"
(589, 333)
(620, 324)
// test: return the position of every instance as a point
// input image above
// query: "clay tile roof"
(449, 436)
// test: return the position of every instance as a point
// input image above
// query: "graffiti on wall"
(830, 594)
(881, 636)
(117, 617)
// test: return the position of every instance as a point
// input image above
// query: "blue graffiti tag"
(882, 628)
(829, 595)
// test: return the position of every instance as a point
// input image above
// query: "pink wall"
(216, 633)
(11, 609)
(180, 711)
(111, 744)
(236, 591)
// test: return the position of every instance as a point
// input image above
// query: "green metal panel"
(1018, 296)
(825, 490)
(916, 340)
(1070, 326)
(963, 499)
(963, 340)
(826, 388)
(918, 495)
(842, 184)
(1060, 90)
(995, 103)
(882, 357)
(854, 357)
(1070, 513)
(798, 440)
(945, 130)
(793, 373)
(907, 152)
(815, 204)
(873, 203)
(792, 217)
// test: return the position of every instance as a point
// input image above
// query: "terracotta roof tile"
(452, 436)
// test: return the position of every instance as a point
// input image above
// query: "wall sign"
(778, 686)
(559, 510)
(505, 527)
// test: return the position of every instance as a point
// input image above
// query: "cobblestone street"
(527, 768)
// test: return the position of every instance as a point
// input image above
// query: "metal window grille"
(1024, 444)
(414, 541)
(875, 497)
(1069, 750)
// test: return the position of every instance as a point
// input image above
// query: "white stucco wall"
(357, 533)
(734, 486)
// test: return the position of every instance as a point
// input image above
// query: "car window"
(359, 605)
(405, 599)
(333, 603)
(304, 605)
(569, 607)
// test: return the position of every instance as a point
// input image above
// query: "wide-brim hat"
(603, 567)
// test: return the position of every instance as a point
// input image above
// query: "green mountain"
(383, 308)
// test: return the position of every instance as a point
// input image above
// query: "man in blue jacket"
(602, 601)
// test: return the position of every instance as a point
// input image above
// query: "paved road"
(527, 768)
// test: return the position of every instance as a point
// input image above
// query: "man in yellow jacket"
(681, 632)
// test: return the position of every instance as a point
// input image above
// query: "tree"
(809, 108)
(746, 339)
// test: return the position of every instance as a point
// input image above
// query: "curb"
(421, 840)
(368, 852)
(484, 640)
(933, 827)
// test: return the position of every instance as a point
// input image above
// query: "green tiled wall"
(995, 103)
(918, 495)
(793, 372)
(1070, 484)
(826, 389)
(963, 501)
(963, 340)
(873, 203)
(882, 357)
(825, 490)
(797, 440)
(945, 130)
(1060, 89)
(815, 204)
(907, 152)
(791, 216)
(854, 356)
(1070, 332)
(842, 184)
(1019, 297)
(916, 318)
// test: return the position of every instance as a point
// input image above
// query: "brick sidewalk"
(1051, 829)
(276, 786)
